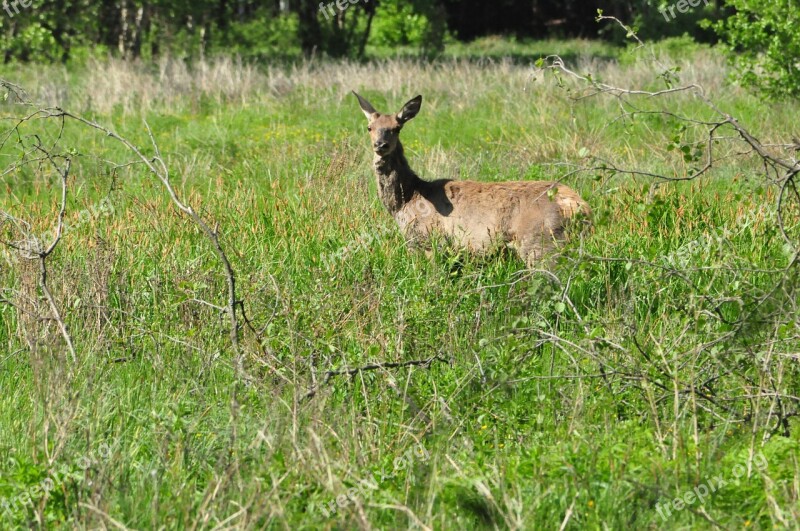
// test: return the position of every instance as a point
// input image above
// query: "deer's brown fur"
(530, 216)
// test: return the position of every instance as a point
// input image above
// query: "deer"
(531, 217)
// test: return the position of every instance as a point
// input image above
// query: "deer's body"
(530, 216)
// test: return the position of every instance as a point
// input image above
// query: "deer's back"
(528, 215)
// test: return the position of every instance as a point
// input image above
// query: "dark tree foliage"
(523, 18)
(57, 31)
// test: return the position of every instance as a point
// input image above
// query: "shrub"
(764, 45)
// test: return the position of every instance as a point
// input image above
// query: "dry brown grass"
(136, 87)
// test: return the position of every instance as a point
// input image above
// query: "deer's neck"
(397, 182)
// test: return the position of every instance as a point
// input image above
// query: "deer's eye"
(369, 128)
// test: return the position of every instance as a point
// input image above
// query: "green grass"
(532, 416)
(494, 48)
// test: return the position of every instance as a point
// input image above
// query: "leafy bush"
(417, 24)
(264, 36)
(652, 20)
(397, 24)
(33, 42)
(764, 45)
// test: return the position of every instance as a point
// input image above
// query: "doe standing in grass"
(529, 216)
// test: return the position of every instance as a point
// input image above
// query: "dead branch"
(424, 363)
(157, 166)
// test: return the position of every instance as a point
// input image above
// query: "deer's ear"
(409, 110)
(369, 110)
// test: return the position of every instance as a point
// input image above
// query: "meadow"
(646, 377)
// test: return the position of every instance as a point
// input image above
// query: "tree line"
(48, 30)
(760, 35)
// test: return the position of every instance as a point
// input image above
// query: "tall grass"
(643, 363)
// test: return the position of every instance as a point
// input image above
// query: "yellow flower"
(591, 504)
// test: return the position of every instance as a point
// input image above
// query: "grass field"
(656, 358)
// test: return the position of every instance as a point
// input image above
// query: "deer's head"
(384, 129)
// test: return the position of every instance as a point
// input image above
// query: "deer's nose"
(381, 144)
